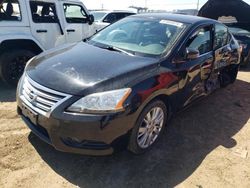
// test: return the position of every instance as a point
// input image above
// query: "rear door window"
(221, 36)
(10, 10)
(43, 12)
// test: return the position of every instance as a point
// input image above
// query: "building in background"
(236, 15)
(234, 12)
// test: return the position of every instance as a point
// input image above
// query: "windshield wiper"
(113, 48)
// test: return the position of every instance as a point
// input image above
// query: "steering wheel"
(151, 39)
(117, 35)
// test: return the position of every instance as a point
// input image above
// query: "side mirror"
(91, 19)
(192, 53)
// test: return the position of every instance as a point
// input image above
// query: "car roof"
(175, 17)
(113, 11)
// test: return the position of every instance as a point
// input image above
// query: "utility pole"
(198, 4)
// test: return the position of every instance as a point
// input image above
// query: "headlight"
(110, 101)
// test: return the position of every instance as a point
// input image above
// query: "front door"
(77, 26)
(44, 26)
(191, 71)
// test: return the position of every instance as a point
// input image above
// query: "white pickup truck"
(29, 27)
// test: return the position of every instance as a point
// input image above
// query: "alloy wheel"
(150, 127)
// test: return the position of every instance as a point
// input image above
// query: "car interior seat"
(46, 17)
(35, 16)
(9, 12)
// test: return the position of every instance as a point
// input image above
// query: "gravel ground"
(207, 145)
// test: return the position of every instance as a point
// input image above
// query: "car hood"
(74, 68)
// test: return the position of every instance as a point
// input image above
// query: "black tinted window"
(120, 15)
(201, 40)
(10, 10)
(221, 36)
(110, 18)
(43, 12)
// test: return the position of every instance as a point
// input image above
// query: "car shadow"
(245, 69)
(7, 93)
(190, 137)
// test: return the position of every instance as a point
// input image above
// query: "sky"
(152, 4)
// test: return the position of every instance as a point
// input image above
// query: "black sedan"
(243, 37)
(120, 87)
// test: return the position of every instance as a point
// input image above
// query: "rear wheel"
(12, 65)
(229, 75)
(149, 127)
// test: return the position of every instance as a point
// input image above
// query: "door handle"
(41, 31)
(70, 30)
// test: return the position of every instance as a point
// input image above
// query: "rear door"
(222, 46)
(193, 72)
(44, 24)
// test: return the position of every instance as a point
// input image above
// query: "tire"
(12, 64)
(136, 138)
(234, 69)
(228, 75)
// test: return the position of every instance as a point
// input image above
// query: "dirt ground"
(207, 145)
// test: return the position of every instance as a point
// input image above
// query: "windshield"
(140, 36)
(98, 15)
(236, 30)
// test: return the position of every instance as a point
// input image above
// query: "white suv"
(105, 18)
(28, 27)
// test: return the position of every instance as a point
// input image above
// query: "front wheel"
(12, 65)
(149, 127)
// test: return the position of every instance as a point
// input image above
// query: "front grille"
(39, 98)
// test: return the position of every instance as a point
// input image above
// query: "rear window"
(10, 10)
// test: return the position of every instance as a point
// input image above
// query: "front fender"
(163, 86)
(19, 36)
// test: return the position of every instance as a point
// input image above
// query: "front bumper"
(96, 135)
(78, 133)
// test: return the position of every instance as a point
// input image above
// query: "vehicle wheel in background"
(149, 127)
(12, 65)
